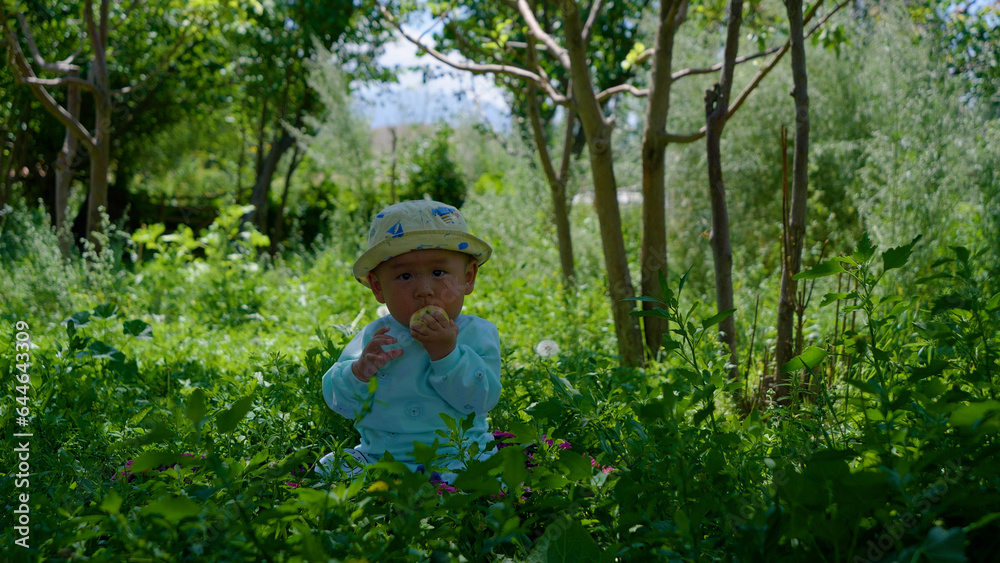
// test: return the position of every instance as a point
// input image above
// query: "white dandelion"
(382, 311)
(547, 348)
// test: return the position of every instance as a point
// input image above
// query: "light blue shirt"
(413, 391)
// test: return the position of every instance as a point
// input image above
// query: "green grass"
(175, 403)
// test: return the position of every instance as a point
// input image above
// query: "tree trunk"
(100, 152)
(280, 219)
(716, 110)
(100, 159)
(393, 177)
(556, 181)
(795, 230)
(654, 145)
(64, 169)
(598, 130)
(259, 197)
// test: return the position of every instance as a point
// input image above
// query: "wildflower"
(604, 468)
(260, 379)
(563, 445)
(445, 487)
(378, 487)
(547, 348)
(293, 484)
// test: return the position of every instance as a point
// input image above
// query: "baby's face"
(414, 280)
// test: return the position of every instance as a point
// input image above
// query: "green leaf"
(160, 433)
(173, 509)
(106, 311)
(111, 503)
(936, 367)
(578, 467)
(702, 414)
(944, 546)
(152, 458)
(810, 358)
(100, 350)
(565, 540)
(227, 420)
(716, 319)
(80, 319)
(869, 386)
(961, 253)
(825, 269)
(864, 251)
(994, 303)
(643, 298)
(898, 256)
(196, 409)
(969, 415)
(834, 297)
(138, 329)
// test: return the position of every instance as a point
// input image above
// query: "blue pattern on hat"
(463, 245)
(396, 230)
(446, 213)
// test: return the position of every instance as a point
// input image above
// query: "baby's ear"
(376, 287)
(471, 269)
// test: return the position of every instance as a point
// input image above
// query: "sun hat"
(417, 225)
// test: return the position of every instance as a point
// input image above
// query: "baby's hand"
(436, 332)
(373, 357)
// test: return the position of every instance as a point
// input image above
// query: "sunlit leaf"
(716, 319)
(810, 358)
(822, 270)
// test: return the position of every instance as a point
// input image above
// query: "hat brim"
(420, 240)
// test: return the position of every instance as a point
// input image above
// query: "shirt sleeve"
(468, 379)
(343, 392)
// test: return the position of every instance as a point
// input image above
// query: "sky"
(414, 100)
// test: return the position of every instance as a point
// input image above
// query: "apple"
(415, 318)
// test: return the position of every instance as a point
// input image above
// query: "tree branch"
(61, 66)
(539, 33)
(64, 81)
(610, 92)
(588, 28)
(718, 66)
(23, 73)
(756, 80)
(475, 68)
(105, 6)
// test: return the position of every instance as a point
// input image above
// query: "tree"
(274, 50)
(489, 32)
(570, 45)
(434, 172)
(796, 220)
(95, 38)
(716, 111)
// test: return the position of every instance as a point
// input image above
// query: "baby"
(428, 358)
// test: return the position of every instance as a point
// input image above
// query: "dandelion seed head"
(547, 348)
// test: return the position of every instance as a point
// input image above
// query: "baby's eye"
(439, 273)
(404, 277)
